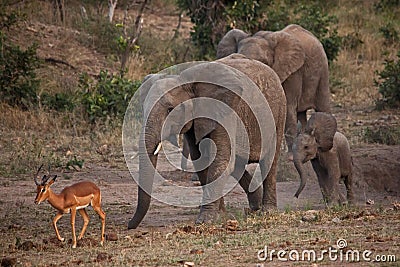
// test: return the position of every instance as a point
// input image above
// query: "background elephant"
(329, 152)
(300, 61)
(198, 130)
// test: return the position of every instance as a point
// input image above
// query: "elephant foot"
(269, 202)
(207, 215)
(268, 209)
(195, 177)
(254, 199)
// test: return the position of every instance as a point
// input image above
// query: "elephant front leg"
(323, 180)
(213, 179)
(348, 182)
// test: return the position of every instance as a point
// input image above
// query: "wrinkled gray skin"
(200, 128)
(300, 61)
(329, 152)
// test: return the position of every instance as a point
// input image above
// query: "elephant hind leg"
(268, 175)
(245, 179)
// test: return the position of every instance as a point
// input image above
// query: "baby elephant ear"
(229, 43)
(323, 127)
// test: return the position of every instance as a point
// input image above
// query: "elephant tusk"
(158, 148)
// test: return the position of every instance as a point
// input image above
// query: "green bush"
(312, 18)
(386, 5)
(209, 24)
(255, 15)
(389, 33)
(243, 15)
(389, 84)
(18, 82)
(59, 101)
(107, 96)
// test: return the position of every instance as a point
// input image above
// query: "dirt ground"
(29, 240)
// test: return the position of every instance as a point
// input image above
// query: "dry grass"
(355, 69)
(34, 137)
(217, 245)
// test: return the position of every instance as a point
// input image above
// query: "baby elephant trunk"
(303, 178)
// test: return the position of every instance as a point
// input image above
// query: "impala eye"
(43, 190)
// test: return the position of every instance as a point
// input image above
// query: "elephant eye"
(169, 110)
(306, 147)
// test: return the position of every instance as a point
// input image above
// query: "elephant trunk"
(147, 166)
(303, 178)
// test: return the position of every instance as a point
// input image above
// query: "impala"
(70, 200)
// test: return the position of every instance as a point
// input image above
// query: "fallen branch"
(58, 61)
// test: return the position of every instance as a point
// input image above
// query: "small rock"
(196, 183)
(103, 257)
(188, 264)
(196, 251)
(370, 202)
(336, 220)
(232, 225)
(168, 235)
(27, 245)
(7, 261)
(310, 216)
(218, 244)
(396, 205)
(112, 237)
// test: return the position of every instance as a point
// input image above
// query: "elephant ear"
(289, 55)
(323, 127)
(216, 90)
(229, 43)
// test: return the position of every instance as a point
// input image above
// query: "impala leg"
(102, 215)
(73, 216)
(85, 217)
(55, 220)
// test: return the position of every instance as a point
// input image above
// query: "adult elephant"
(159, 105)
(300, 61)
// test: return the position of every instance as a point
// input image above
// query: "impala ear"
(52, 180)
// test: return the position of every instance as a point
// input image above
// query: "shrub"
(107, 96)
(243, 15)
(389, 33)
(386, 5)
(254, 15)
(209, 24)
(312, 18)
(59, 101)
(389, 84)
(18, 82)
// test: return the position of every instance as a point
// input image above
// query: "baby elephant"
(329, 152)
